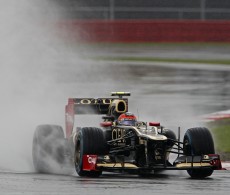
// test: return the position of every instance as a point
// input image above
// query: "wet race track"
(165, 183)
(176, 96)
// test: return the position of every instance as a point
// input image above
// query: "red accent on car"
(69, 117)
(215, 162)
(89, 162)
(157, 124)
(106, 124)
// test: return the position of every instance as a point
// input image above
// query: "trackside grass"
(221, 134)
(172, 60)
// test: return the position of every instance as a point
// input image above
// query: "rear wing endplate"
(79, 106)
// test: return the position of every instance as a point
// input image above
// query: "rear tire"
(90, 140)
(48, 149)
(198, 141)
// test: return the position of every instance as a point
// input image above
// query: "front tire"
(198, 141)
(90, 140)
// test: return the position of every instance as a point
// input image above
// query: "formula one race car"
(121, 144)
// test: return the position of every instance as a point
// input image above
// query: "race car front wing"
(96, 163)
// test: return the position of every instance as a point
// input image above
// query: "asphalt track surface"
(170, 182)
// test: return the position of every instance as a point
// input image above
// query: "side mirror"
(155, 124)
(106, 124)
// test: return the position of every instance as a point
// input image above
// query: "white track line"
(226, 165)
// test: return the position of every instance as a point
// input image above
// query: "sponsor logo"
(91, 159)
(93, 101)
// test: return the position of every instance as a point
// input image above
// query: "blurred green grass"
(171, 60)
(221, 134)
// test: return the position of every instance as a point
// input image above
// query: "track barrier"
(136, 31)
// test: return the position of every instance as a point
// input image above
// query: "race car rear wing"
(99, 106)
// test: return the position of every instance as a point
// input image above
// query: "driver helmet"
(127, 119)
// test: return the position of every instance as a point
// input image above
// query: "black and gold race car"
(121, 143)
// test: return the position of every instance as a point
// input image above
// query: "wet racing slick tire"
(198, 141)
(90, 140)
(48, 149)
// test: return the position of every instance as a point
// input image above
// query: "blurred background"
(149, 21)
(146, 9)
(172, 55)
